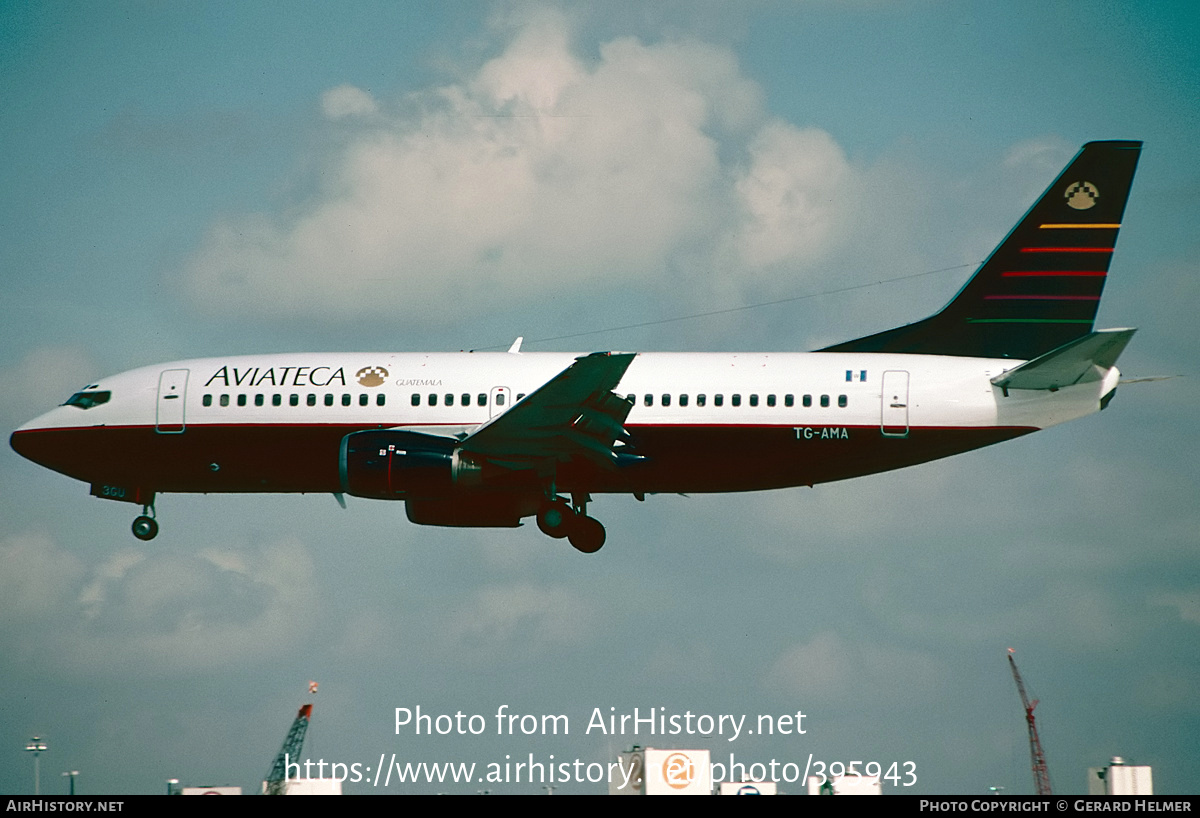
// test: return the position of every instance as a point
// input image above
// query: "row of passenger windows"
(482, 399)
(464, 399)
(363, 399)
(736, 400)
(294, 400)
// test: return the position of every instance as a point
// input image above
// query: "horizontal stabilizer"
(1083, 360)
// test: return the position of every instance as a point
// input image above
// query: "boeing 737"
(489, 439)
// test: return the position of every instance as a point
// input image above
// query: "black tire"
(587, 535)
(555, 520)
(145, 528)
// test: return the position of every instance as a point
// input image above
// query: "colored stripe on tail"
(1041, 287)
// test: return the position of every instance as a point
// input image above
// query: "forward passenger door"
(172, 396)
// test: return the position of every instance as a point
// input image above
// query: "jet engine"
(438, 484)
(394, 464)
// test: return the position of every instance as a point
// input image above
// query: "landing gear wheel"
(145, 528)
(587, 535)
(555, 520)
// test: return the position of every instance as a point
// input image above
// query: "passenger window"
(700, 400)
(632, 399)
(649, 400)
(380, 399)
(520, 396)
(666, 400)
(683, 400)
(789, 400)
(277, 400)
(754, 400)
(312, 399)
(258, 399)
(329, 399)
(736, 400)
(449, 399)
(499, 398)
(824, 401)
(207, 400)
(807, 401)
(466, 399)
(481, 399)
(770, 400)
(224, 400)
(718, 400)
(416, 399)
(293, 400)
(842, 401)
(433, 400)
(242, 399)
(345, 399)
(363, 398)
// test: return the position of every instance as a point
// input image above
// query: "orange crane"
(1041, 776)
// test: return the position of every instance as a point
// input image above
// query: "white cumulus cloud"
(168, 613)
(829, 665)
(790, 195)
(652, 167)
(517, 619)
(43, 378)
(346, 101)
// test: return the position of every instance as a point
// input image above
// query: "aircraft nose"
(51, 448)
(39, 441)
(25, 443)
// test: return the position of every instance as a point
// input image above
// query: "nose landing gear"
(145, 527)
(558, 519)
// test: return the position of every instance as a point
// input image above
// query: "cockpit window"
(86, 400)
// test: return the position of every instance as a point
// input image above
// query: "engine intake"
(390, 465)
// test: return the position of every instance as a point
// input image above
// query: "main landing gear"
(145, 527)
(556, 518)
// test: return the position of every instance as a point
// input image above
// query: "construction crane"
(1041, 776)
(276, 780)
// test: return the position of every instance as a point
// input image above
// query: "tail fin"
(1041, 287)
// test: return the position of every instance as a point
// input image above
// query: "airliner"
(488, 439)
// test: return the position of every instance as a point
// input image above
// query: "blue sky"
(208, 179)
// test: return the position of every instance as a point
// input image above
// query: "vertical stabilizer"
(1041, 287)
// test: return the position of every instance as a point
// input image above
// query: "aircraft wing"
(573, 415)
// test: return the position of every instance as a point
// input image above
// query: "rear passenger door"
(893, 412)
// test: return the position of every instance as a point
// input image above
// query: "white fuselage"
(702, 421)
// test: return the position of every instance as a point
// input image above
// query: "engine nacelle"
(396, 465)
(388, 465)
